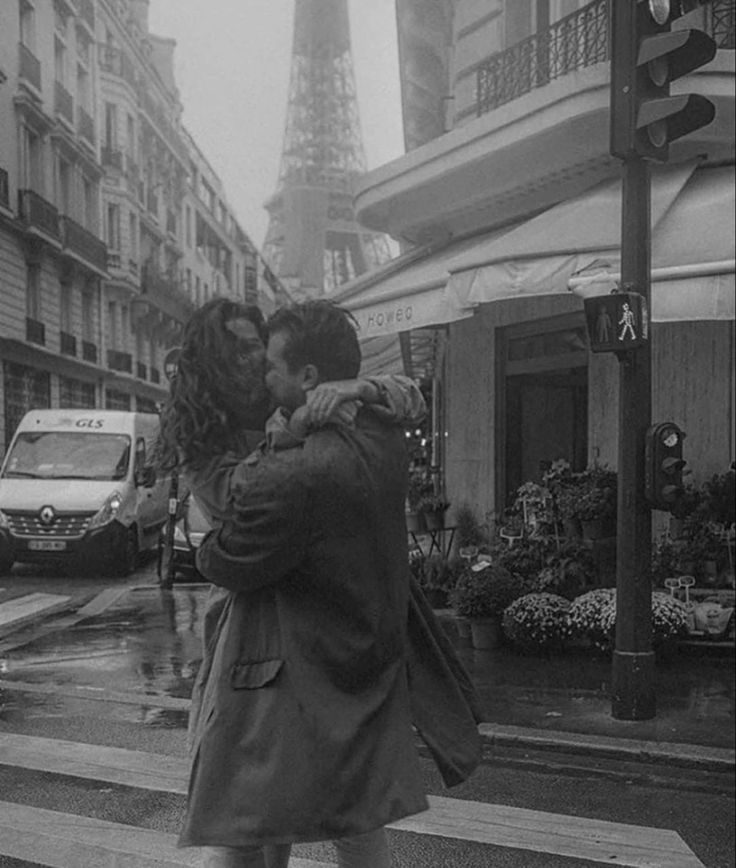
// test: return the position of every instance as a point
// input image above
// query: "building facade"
(113, 225)
(508, 205)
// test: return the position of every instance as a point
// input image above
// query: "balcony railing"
(68, 344)
(112, 158)
(117, 62)
(87, 13)
(119, 361)
(89, 352)
(4, 189)
(35, 331)
(86, 125)
(114, 260)
(164, 291)
(29, 66)
(83, 243)
(63, 103)
(574, 42)
(37, 213)
(141, 371)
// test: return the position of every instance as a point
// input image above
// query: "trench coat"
(305, 728)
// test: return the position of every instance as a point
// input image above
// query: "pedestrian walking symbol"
(617, 321)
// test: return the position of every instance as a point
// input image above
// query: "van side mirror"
(145, 477)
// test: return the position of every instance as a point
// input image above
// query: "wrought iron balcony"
(89, 352)
(86, 125)
(29, 66)
(112, 158)
(35, 331)
(4, 189)
(83, 244)
(63, 103)
(119, 361)
(574, 42)
(68, 344)
(86, 12)
(164, 292)
(37, 213)
(117, 62)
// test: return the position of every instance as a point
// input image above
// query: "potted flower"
(481, 594)
(589, 618)
(433, 507)
(537, 622)
(591, 498)
(437, 580)
(569, 571)
(534, 504)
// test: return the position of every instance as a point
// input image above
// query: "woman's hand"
(335, 401)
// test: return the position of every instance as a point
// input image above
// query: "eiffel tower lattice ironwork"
(313, 242)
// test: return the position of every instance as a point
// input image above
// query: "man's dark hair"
(218, 390)
(321, 334)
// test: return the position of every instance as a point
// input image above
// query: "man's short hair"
(321, 334)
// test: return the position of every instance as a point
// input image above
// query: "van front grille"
(66, 524)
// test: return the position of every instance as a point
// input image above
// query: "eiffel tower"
(313, 243)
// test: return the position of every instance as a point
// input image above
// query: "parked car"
(189, 531)
(77, 487)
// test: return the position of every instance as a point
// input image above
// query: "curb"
(684, 755)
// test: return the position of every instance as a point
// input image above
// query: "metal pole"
(632, 680)
(167, 579)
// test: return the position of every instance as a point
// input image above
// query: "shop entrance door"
(542, 401)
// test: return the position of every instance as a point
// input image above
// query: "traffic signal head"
(646, 56)
(663, 465)
(616, 322)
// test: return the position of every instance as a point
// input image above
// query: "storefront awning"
(573, 246)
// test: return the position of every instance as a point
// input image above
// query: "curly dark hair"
(321, 334)
(218, 391)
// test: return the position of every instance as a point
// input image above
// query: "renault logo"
(47, 515)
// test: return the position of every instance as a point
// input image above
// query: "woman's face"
(251, 358)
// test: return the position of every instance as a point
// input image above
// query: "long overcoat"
(305, 725)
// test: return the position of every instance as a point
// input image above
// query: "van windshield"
(68, 455)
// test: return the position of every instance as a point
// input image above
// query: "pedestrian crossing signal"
(616, 322)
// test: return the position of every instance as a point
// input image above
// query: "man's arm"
(264, 537)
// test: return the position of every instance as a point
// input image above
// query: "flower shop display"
(591, 498)
(537, 622)
(569, 570)
(420, 486)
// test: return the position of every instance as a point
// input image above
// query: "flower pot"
(485, 633)
(434, 520)
(572, 528)
(599, 528)
(415, 522)
(463, 628)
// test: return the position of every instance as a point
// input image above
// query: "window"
(130, 132)
(83, 89)
(133, 232)
(76, 393)
(88, 315)
(65, 197)
(111, 125)
(27, 24)
(60, 61)
(188, 225)
(89, 204)
(112, 324)
(33, 291)
(112, 229)
(65, 307)
(32, 168)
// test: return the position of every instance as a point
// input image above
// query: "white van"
(75, 486)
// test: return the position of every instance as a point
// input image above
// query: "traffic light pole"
(632, 679)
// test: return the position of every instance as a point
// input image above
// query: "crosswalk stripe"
(20, 610)
(499, 825)
(68, 841)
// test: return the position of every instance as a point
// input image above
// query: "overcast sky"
(232, 65)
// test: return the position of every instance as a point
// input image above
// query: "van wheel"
(128, 560)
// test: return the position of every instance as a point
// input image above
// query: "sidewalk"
(564, 702)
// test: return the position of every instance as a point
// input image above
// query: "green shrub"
(537, 622)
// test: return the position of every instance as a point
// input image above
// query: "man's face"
(286, 387)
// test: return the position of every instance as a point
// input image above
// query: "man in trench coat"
(305, 721)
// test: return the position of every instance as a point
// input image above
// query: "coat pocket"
(250, 675)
